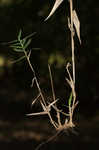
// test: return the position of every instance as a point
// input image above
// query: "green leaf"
(15, 44)
(19, 36)
(27, 44)
(24, 41)
(30, 35)
(18, 50)
(21, 45)
(11, 42)
(21, 58)
(70, 98)
(16, 47)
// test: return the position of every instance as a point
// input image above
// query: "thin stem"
(53, 93)
(72, 40)
(71, 108)
(52, 85)
(27, 57)
(35, 77)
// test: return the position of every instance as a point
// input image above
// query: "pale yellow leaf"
(76, 23)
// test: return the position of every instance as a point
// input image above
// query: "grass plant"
(21, 46)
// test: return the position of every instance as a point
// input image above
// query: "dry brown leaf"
(56, 5)
(76, 23)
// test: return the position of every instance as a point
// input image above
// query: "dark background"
(18, 131)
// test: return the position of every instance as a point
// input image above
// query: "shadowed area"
(18, 131)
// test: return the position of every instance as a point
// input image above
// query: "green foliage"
(21, 44)
(70, 99)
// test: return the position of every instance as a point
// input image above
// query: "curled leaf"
(56, 5)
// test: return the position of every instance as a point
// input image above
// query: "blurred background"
(52, 39)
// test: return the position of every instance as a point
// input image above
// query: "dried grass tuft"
(74, 25)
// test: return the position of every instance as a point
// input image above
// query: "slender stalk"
(52, 85)
(27, 57)
(53, 93)
(71, 108)
(72, 40)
